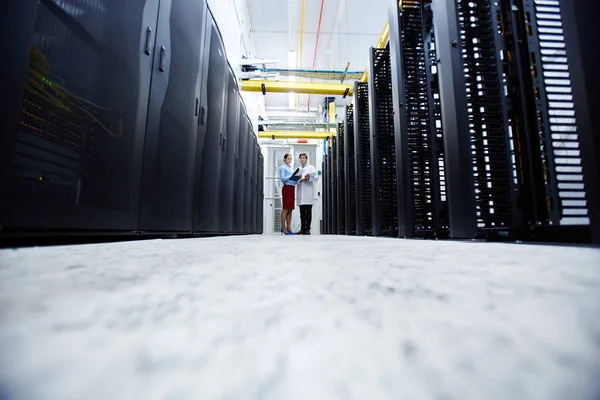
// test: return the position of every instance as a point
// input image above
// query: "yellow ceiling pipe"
(326, 88)
(383, 39)
(294, 135)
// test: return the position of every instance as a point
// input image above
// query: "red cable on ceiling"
(316, 45)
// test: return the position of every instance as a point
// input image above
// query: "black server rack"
(581, 30)
(480, 168)
(240, 162)
(340, 182)
(260, 194)
(228, 162)
(349, 171)
(72, 137)
(333, 185)
(513, 147)
(253, 184)
(568, 191)
(172, 127)
(246, 182)
(324, 200)
(417, 122)
(208, 169)
(362, 141)
(248, 171)
(383, 157)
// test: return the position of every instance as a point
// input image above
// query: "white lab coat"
(305, 191)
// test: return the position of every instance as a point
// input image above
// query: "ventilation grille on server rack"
(420, 152)
(364, 156)
(341, 184)
(386, 145)
(334, 186)
(563, 157)
(491, 158)
(351, 176)
(435, 112)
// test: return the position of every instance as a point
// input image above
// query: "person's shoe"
(282, 231)
(290, 233)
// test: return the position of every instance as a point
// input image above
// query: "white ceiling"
(348, 29)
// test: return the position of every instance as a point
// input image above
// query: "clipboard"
(294, 177)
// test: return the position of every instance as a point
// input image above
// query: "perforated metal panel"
(349, 172)
(383, 156)
(417, 113)
(556, 115)
(340, 182)
(363, 159)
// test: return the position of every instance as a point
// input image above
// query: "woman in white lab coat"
(305, 193)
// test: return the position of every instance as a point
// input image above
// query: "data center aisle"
(319, 317)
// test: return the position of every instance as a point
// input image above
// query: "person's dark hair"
(303, 154)
(286, 156)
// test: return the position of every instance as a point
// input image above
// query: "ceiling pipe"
(326, 88)
(294, 135)
(317, 43)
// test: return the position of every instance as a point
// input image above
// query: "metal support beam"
(455, 121)
(581, 34)
(325, 88)
(294, 135)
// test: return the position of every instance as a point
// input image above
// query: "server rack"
(481, 185)
(362, 140)
(72, 145)
(248, 181)
(334, 186)
(340, 183)
(568, 190)
(259, 193)
(208, 170)
(383, 157)
(504, 75)
(228, 158)
(252, 188)
(349, 171)
(240, 162)
(324, 199)
(581, 31)
(417, 122)
(174, 108)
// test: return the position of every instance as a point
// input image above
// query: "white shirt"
(305, 191)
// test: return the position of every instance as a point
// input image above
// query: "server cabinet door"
(74, 113)
(173, 112)
(254, 184)
(248, 180)
(261, 196)
(239, 177)
(208, 170)
(228, 160)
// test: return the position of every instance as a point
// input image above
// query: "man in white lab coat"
(305, 193)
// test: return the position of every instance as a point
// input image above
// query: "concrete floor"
(302, 317)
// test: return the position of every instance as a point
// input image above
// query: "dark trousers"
(305, 218)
